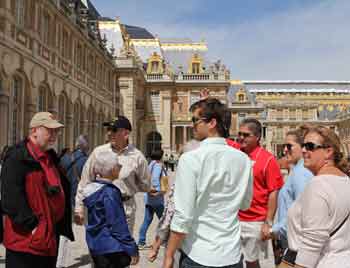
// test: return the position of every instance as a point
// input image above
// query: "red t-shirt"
(233, 144)
(267, 178)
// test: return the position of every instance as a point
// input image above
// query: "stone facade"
(343, 126)
(284, 105)
(54, 59)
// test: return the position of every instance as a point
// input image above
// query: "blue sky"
(256, 39)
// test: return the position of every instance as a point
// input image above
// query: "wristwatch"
(268, 222)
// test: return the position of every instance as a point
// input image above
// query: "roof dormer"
(155, 64)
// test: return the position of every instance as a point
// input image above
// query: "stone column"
(127, 103)
(166, 139)
(173, 138)
(4, 116)
(70, 131)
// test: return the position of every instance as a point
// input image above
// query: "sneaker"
(144, 246)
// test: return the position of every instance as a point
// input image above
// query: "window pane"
(155, 103)
(20, 12)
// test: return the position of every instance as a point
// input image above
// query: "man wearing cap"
(134, 176)
(35, 198)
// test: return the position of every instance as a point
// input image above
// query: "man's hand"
(168, 262)
(135, 260)
(204, 94)
(79, 218)
(265, 231)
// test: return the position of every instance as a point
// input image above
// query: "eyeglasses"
(195, 120)
(244, 134)
(288, 146)
(310, 146)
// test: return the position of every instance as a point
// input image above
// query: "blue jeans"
(186, 262)
(149, 213)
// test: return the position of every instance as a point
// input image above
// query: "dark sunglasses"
(244, 134)
(195, 120)
(113, 129)
(288, 146)
(310, 146)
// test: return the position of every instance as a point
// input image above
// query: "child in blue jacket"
(107, 234)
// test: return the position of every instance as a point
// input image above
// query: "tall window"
(65, 44)
(154, 67)
(155, 103)
(15, 105)
(77, 119)
(79, 56)
(19, 12)
(43, 99)
(195, 68)
(46, 28)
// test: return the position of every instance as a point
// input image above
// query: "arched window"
(154, 142)
(241, 98)
(16, 107)
(76, 120)
(62, 117)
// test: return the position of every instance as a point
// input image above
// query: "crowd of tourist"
(229, 199)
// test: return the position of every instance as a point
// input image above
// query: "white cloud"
(310, 43)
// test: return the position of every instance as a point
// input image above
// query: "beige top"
(133, 177)
(318, 211)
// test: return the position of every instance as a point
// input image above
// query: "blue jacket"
(79, 158)
(107, 230)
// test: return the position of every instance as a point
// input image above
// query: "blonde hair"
(331, 139)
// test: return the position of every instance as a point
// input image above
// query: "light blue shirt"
(212, 183)
(157, 171)
(294, 186)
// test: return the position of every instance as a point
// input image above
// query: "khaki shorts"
(252, 245)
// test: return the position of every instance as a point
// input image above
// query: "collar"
(300, 163)
(126, 149)
(35, 149)
(214, 140)
(104, 180)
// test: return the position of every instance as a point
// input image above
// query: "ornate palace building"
(284, 105)
(52, 58)
(62, 56)
(159, 80)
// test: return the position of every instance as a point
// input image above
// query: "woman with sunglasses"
(318, 221)
(298, 177)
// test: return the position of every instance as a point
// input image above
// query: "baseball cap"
(45, 119)
(118, 122)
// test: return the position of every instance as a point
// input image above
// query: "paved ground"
(79, 257)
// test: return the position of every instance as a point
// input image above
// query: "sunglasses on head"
(288, 146)
(310, 146)
(195, 120)
(244, 134)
